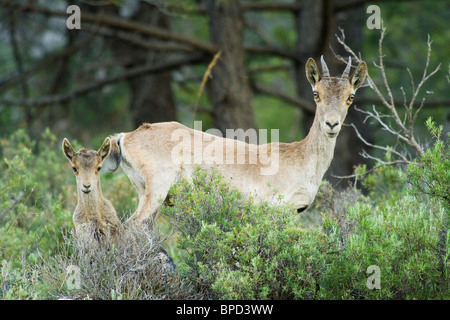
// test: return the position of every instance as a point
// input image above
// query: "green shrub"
(17, 283)
(430, 175)
(403, 231)
(33, 196)
(37, 199)
(236, 249)
(131, 268)
(38, 195)
(229, 247)
(402, 240)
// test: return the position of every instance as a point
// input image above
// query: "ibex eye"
(351, 97)
(316, 95)
(74, 170)
(98, 169)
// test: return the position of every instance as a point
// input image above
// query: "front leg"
(143, 194)
(146, 211)
(156, 191)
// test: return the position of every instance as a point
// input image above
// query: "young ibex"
(154, 159)
(93, 213)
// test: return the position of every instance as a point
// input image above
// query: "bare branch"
(404, 160)
(131, 73)
(302, 103)
(48, 60)
(118, 23)
(382, 69)
(426, 103)
(272, 51)
(143, 43)
(254, 6)
(425, 76)
(379, 165)
(404, 128)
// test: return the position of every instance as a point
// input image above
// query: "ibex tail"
(115, 155)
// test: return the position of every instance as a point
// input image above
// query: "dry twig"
(401, 129)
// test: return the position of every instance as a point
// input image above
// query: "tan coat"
(155, 156)
(94, 214)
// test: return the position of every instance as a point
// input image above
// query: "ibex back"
(148, 157)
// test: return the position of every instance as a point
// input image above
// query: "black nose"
(331, 125)
(87, 186)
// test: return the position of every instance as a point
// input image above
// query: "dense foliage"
(228, 247)
(384, 237)
(235, 249)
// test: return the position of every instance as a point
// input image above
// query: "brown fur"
(93, 213)
(149, 160)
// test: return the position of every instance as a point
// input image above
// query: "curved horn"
(347, 69)
(325, 71)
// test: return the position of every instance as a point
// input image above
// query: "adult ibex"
(154, 158)
(94, 214)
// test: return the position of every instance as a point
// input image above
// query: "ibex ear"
(312, 72)
(105, 148)
(68, 150)
(359, 75)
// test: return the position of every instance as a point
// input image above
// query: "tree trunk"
(313, 35)
(151, 95)
(230, 91)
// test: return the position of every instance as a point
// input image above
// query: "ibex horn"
(347, 69)
(325, 71)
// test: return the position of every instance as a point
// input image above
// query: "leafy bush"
(131, 268)
(229, 247)
(18, 283)
(404, 231)
(430, 177)
(431, 174)
(236, 249)
(37, 198)
(402, 240)
(331, 201)
(33, 193)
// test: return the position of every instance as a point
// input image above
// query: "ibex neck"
(90, 200)
(319, 149)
